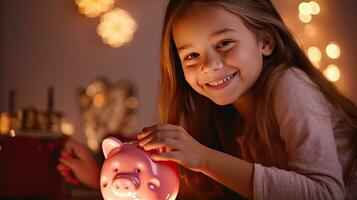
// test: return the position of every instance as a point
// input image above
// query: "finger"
(168, 156)
(62, 167)
(146, 140)
(72, 180)
(158, 127)
(65, 173)
(143, 134)
(71, 163)
(173, 134)
(65, 154)
(73, 146)
(77, 149)
(162, 143)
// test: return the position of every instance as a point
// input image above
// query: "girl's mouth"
(222, 83)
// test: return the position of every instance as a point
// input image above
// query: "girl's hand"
(77, 164)
(179, 146)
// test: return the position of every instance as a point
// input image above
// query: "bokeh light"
(314, 54)
(333, 50)
(305, 8)
(315, 7)
(131, 102)
(332, 73)
(12, 133)
(100, 99)
(93, 8)
(67, 128)
(4, 123)
(305, 18)
(117, 27)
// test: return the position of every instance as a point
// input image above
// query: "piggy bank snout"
(125, 184)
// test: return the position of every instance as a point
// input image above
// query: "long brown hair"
(180, 104)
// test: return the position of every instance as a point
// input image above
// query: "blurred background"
(59, 44)
(88, 68)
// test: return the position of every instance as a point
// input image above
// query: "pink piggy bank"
(129, 173)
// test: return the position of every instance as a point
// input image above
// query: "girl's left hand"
(179, 145)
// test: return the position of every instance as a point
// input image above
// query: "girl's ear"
(266, 43)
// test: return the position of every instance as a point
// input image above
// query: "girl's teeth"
(220, 82)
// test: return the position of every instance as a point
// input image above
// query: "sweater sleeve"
(313, 170)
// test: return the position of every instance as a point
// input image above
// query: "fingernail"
(153, 157)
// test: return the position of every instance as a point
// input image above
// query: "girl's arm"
(306, 127)
(230, 171)
(234, 173)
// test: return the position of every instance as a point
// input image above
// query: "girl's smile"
(220, 83)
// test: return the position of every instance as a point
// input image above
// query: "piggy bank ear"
(109, 144)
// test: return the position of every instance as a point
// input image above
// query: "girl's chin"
(222, 102)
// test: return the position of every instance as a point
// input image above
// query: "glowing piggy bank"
(129, 173)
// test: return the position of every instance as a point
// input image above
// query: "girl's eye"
(191, 56)
(223, 43)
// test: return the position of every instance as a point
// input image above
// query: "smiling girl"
(242, 104)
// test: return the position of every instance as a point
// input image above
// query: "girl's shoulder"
(294, 76)
(294, 90)
(295, 82)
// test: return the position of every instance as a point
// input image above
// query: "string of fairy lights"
(325, 59)
(116, 27)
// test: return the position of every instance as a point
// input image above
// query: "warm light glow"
(117, 27)
(67, 128)
(4, 123)
(93, 8)
(94, 88)
(333, 50)
(12, 133)
(332, 73)
(310, 30)
(92, 144)
(315, 7)
(314, 54)
(305, 18)
(100, 100)
(305, 8)
(131, 102)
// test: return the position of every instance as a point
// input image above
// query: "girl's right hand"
(77, 159)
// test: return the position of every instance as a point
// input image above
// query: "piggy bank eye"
(137, 170)
(104, 181)
(115, 167)
(154, 184)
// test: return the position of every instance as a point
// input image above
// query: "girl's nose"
(212, 65)
(212, 62)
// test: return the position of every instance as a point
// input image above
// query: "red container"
(28, 166)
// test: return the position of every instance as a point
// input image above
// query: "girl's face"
(221, 58)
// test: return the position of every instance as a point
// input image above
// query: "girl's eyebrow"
(221, 31)
(216, 33)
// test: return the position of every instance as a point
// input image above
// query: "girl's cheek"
(233, 57)
(190, 74)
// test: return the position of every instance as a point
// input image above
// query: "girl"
(258, 117)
